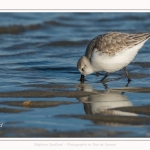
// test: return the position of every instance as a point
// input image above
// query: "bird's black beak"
(82, 78)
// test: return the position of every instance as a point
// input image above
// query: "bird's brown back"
(114, 42)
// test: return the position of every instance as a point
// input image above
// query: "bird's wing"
(114, 42)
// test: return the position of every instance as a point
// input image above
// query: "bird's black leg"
(126, 85)
(107, 73)
(105, 85)
(127, 74)
(82, 78)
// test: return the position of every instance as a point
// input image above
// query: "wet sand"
(44, 94)
(39, 132)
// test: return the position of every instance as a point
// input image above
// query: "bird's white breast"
(104, 62)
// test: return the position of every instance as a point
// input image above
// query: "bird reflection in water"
(103, 102)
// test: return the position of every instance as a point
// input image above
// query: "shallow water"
(39, 52)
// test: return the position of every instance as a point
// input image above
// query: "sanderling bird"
(111, 52)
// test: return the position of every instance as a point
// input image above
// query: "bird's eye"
(82, 69)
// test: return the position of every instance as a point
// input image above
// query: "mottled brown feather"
(114, 42)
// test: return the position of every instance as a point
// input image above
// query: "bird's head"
(84, 66)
